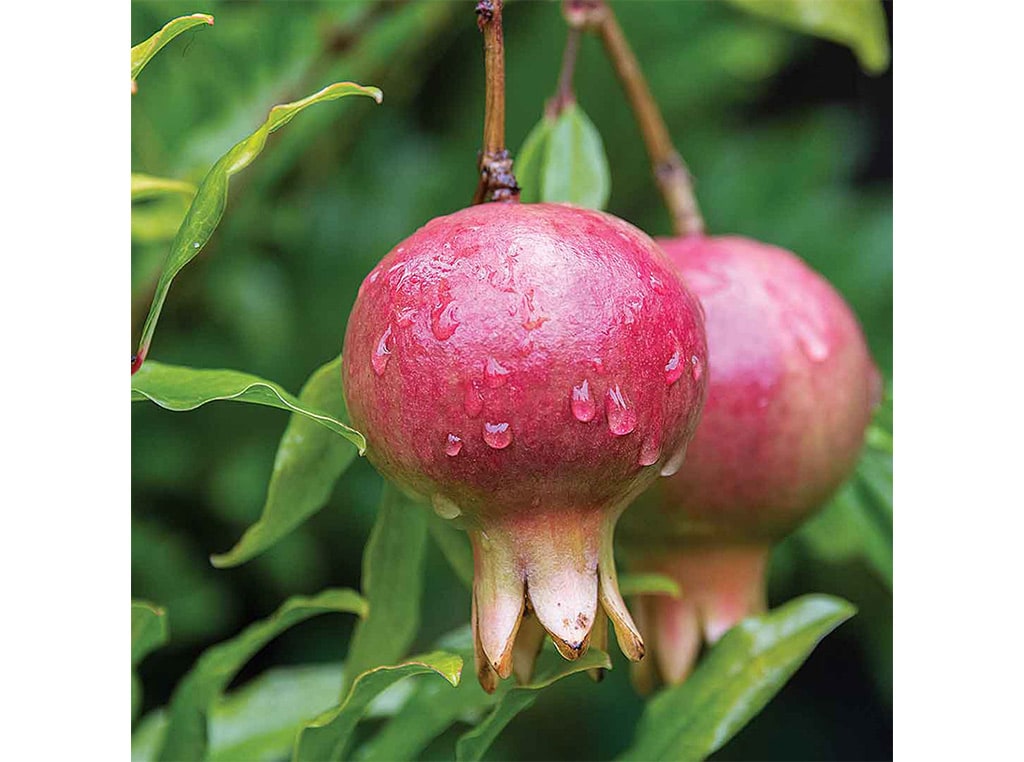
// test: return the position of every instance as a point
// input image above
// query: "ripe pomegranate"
(792, 387)
(528, 368)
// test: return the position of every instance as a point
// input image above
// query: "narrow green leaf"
(149, 629)
(258, 721)
(454, 545)
(575, 166)
(309, 461)
(392, 583)
(327, 737)
(147, 186)
(529, 163)
(186, 734)
(179, 388)
(210, 200)
(858, 24)
(740, 675)
(648, 584)
(474, 744)
(144, 51)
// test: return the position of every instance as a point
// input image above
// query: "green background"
(789, 143)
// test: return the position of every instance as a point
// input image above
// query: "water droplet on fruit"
(675, 366)
(704, 283)
(673, 464)
(472, 400)
(656, 283)
(495, 374)
(583, 407)
(444, 320)
(697, 367)
(374, 275)
(810, 339)
(498, 435)
(382, 353)
(453, 446)
(621, 418)
(444, 507)
(404, 317)
(650, 450)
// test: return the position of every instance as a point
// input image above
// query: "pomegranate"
(529, 369)
(792, 387)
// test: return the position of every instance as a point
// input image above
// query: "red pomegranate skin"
(791, 391)
(529, 369)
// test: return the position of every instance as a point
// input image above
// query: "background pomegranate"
(792, 387)
(529, 368)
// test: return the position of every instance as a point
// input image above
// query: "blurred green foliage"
(787, 139)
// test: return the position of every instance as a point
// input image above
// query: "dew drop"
(583, 407)
(704, 283)
(453, 446)
(810, 339)
(374, 275)
(444, 320)
(621, 418)
(650, 450)
(674, 367)
(382, 353)
(404, 317)
(495, 374)
(444, 507)
(656, 283)
(696, 367)
(498, 435)
(472, 400)
(673, 464)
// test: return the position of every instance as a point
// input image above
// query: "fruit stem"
(497, 183)
(670, 171)
(564, 95)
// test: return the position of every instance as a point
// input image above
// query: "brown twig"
(670, 171)
(497, 183)
(565, 95)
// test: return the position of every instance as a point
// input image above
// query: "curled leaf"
(858, 24)
(179, 388)
(186, 733)
(310, 459)
(211, 198)
(144, 51)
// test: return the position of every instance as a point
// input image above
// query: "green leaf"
(210, 200)
(648, 584)
(179, 388)
(392, 583)
(149, 629)
(563, 159)
(575, 166)
(529, 163)
(327, 737)
(740, 675)
(454, 545)
(144, 51)
(146, 187)
(186, 735)
(309, 461)
(474, 744)
(858, 24)
(258, 721)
